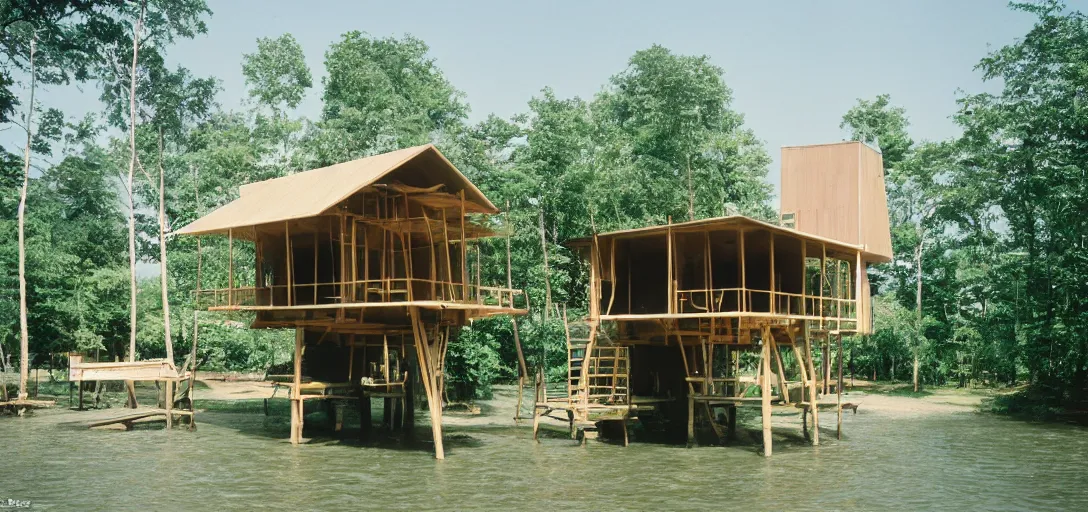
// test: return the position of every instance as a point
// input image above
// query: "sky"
(794, 66)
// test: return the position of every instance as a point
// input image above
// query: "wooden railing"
(362, 292)
(746, 300)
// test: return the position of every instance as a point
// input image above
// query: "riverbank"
(898, 452)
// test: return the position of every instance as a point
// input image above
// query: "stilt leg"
(428, 370)
(838, 388)
(170, 404)
(813, 409)
(131, 387)
(409, 405)
(296, 394)
(765, 390)
(536, 422)
(521, 390)
(570, 425)
(804, 423)
(398, 414)
(691, 420)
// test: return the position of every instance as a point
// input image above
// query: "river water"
(241, 461)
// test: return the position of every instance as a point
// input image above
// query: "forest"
(989, 285)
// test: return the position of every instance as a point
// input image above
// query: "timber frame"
(384, 264)
(717, 289)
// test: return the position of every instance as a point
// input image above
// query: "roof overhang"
(311, 193)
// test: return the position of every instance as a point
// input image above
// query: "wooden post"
(351, 359)
(838, 390)
(297, 411)
(366, 263)
(170, 403)
(192, 372)
(385, 358)
(434, 261)
(783, 385)
(428, 369)
(743, 273)
(354, 260)
(289, 260)
(812, 401)
(823, 275)
(449, 264)
(464, 252)
(772, 306)
(668, 288)
(765, 389)
(230, 267)
(804, 277)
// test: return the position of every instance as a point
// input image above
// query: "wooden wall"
(837, 191)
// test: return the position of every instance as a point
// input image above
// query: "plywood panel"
(837, 191)
(875, 231)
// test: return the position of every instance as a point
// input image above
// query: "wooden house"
(368, 261)
(672, 308)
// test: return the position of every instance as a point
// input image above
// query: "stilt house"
(368, 261)
(673, 308)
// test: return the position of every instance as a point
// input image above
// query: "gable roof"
(309, 193)
(728, 222)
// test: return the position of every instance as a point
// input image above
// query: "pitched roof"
(309, 193)
(716, 223)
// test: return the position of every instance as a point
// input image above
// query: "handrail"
(360, 291)
(785, 303)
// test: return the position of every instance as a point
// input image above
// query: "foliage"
(989, 284)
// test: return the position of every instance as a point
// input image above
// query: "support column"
(296, 396)
(812, 401)
(765, 390)
(170, 405)
(428, 369)
(409, 402)
(838, 389)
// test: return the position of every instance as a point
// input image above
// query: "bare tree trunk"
(547, 272)
(130, 185)
(917, 307)
(24, 335)
(164, 279)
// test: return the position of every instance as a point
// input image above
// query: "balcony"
(362, 293)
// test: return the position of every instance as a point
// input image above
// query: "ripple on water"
(240, 462)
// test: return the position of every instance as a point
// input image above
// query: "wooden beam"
(813, 409)
(838, 390)
(669, 276)
(743, 273)
(773, 307)
(804, 276)
(230, 267)
(464, 252)
(296, 397)
(765, 389)
(289, 260)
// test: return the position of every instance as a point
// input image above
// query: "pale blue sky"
(794, 66)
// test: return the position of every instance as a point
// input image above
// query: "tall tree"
(381, 95)
(667, 125)
(24, 335)
(1028, 155)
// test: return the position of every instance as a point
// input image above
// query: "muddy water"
(239, 461)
